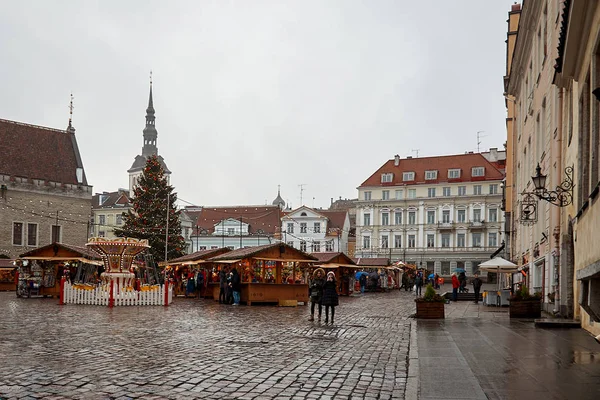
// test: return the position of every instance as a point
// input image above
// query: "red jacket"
(455, 283)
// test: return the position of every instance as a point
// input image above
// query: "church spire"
(150, 133)
(70, 128)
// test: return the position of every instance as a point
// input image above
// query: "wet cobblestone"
(199, 349)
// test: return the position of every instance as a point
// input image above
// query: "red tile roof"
(336, 221)
(118, 199)
(36, 152)
(442, 164)
(267, 219)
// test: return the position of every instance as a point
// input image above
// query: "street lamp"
(563, 194)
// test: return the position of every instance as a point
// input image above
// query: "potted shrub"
(431, 305)
(525, 305)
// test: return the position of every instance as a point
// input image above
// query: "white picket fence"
(100, 295)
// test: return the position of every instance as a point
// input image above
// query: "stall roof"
(198, 256)
(272, 252)
(333, 257)
(6, 263)
(60, 251)
(372, 262)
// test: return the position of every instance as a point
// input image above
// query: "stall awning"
(279, 259)
(226, 261)
(83, 260)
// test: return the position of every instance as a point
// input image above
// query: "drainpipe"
(556, 211)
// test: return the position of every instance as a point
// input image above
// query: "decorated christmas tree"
(151, 198)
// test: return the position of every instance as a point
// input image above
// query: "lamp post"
(562, 196)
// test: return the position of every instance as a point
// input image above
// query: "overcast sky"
(254, 94)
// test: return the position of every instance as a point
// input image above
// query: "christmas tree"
(151, 198)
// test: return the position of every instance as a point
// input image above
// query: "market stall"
(377, 272)
(341, 265)
(40, 269)
(193, 273)
(8, 274)
(262, 269)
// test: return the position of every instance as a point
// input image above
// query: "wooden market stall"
(262, 269)
(43, 267)
(342, 266)
(374, 266)
(205, 273)
(8, 274)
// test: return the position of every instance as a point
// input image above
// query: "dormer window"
(453, 173)
(387, 177)
(477, 171)
(429, 175)
(408, 176)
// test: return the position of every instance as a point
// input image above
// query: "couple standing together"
(323, 293)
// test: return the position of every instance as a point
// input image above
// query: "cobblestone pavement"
(199, 349)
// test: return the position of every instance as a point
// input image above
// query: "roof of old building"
(119, 199)
(442, 164)
(37, 152)
(261, 219)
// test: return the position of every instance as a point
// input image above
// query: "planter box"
(430, 310)
(525, 309)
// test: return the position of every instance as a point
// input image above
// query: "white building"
(314, 231)
(441, 212)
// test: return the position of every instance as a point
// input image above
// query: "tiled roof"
(200, 255)
(372, 262)
(441, 164)
(36, 152)
(336, 221)
(118, 199)
(253, 251)
(267, 219)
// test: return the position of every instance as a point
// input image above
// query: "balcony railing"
(424, 250)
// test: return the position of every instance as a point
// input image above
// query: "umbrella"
(460, 270)
(359, 274)
(431, 276)
(498, 264)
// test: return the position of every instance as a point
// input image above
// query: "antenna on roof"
(479, 136)
(416, 151)
(301, 191)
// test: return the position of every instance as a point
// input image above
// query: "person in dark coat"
(236, 286)
(363, 282)
(222, 285)
(330, 296)
(316, 292)
(418, 283)
(476, 287)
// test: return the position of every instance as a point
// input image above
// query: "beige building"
(107, 211)
(439, 212)
(44, 194)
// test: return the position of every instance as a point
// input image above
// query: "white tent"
(498, 265)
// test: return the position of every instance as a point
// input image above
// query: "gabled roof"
(441, 164)
(37, 152)
(336, 221)
(118, 199)
(266, 219)
(332, 257)
(263, 252)
(372, 262)
(61, 250)
(200, 255)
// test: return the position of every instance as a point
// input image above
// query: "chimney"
(515, 7)
(332, 201)
(409, 157)
(493, 154)
(396, 160)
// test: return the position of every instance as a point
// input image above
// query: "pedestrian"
(228, 289)
(363, 282)
(455, 286)
(190, 287)
(436, 280)
(222, 285)
(476, 287)
(330, 296)
(462, 280)
(236, 286)
(404, 281)
(418, 283)
(316, 292)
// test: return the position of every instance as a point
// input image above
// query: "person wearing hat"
(330, 296)
(316, 292)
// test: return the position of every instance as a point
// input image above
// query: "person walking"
(455, 286)
(330, 296)
(476, 287)
(236, 286)
(418, 284)
(316, 292)
(363, 282)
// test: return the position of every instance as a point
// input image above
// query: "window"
(476, 215)
(431, 217)
(329, 245)
(204, 247)
(447, 191)
(367, 219)
(102, 219)
(384, 241)
(460, 215)
(387, 178)
(367, 195)
(453, 173)
(476, 239)
(397, 241)
(316, 246)
(412, 193)
(303, 245)
(460, 240)
(476, 189)
(17, 234)
(290, 227)
(231, 231)
(430, 240)
(119, 219)
(492, 241)
(399, 194)
(493, 215)
(412, 217)
(429, 175)
(317, 227)
(462, 190)
(56, 233)
(408, 176)
(385, 218)
(446, 216)
(32, 234)
(366, 242)
(494, 189)
(398, 217)
(445, 267)
(385, 195)
(101, 234)
(431, 192)
(477, 171)
(411, 241)
(445, 240)
(214, 247)
(290, 243)
(302, 227)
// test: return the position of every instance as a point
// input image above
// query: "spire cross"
(71, 107)
(150, 77)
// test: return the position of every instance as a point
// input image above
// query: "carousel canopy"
(62, 252)
(269, 252)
